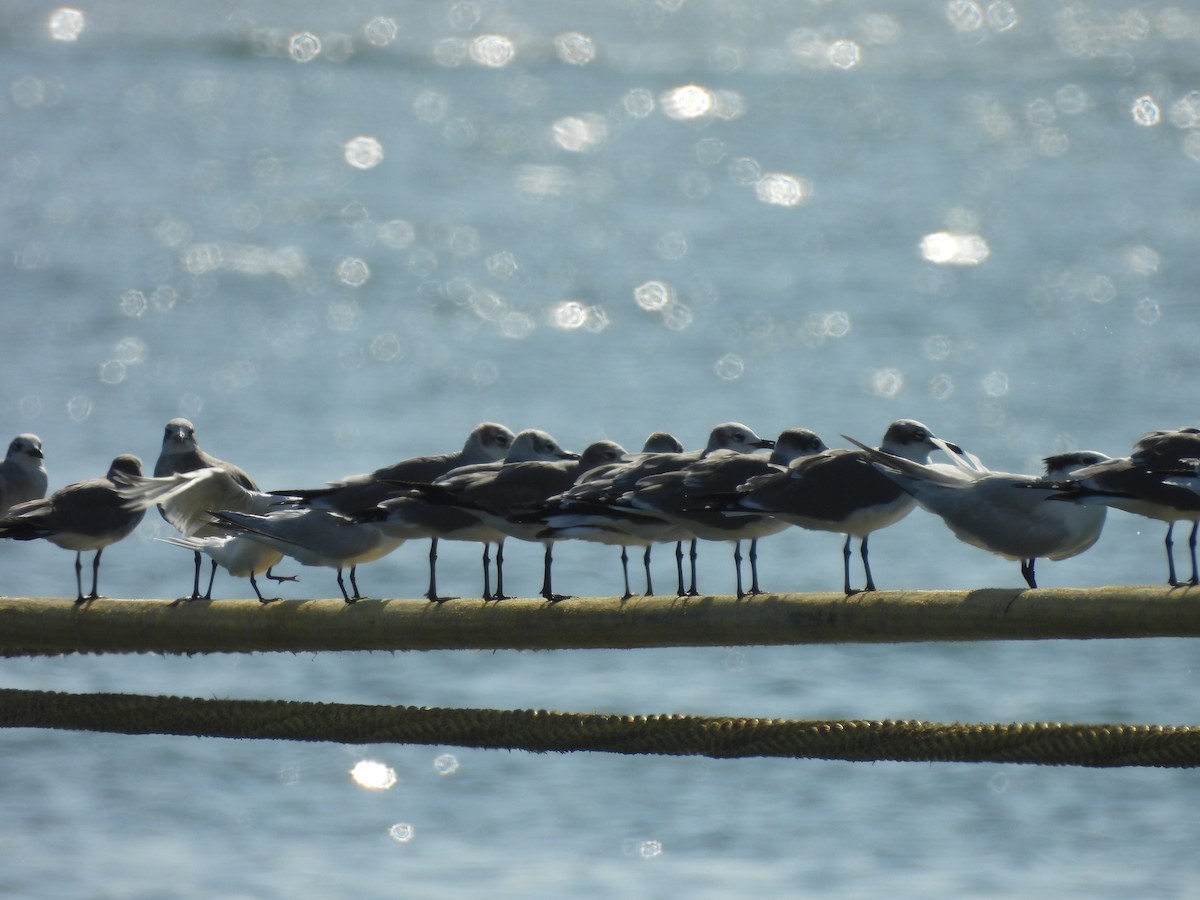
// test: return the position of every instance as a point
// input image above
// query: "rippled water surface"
(337, 235)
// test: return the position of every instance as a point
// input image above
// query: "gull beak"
(36, 453)
(567, 454)
(765, 443)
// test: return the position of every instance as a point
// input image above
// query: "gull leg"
(737, 566)
(212, 574)
(432, 594)
(95, 574)
(1171, 579)
(866, 564)
(487, 573)
(646, 565)
(258, 593)
(500, 595)
(280, 578)
(754, 588)
(547, 592)
(846, 567)
(625, 572)
(692, 592)
(79, 598)
(342, 585)
(1027, 572)
(354, 584)
(1192, 549)
(682, 591)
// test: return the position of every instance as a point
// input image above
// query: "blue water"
(576, 217)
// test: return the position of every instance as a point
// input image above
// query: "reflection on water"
(337, 235)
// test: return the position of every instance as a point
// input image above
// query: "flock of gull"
(502, 485)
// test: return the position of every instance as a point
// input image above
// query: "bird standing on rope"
(1157, 480)
(411, 515)
(487, 443)
(181, 453)
(86, 515)
(186, 499)
(841, 491)
(511, 498)
(985, 509)
(691, 497)
(591, 509)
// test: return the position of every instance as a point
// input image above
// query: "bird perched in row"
(689, 497)
(984, 509)
(1155, 481)
(186, 500)
(181, 453)
(86, 515)
(488, 442)
(23, 472)
(582, 512)
(842, 491)
(591, 509)
(412, 515)
(508, 498)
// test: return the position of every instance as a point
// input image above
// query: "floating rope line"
(540, 731)
(42, 626)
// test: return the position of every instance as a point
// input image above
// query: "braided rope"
(40, 626)
(1039, 743)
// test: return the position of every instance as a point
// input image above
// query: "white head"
(533, 445)
(488, 442)
(736, 437)
(26, 451)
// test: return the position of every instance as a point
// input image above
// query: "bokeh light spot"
(1145, 111)
(492, 50)
(363, 152)
(66, 24)
(777, 189)
(372, 775)
(954, 249)
(304, 46)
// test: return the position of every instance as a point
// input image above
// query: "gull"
(510, 498)
(181, 453)
(410, 515)
(23, 472)
(1154, 481)
(581, 512)
(185, 499)
(592, 512)
(982, 508)
(488, 442)
(313, 537)
(689, 497)
(86, 515)
(841, 491)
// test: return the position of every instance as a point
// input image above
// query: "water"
(338, 236)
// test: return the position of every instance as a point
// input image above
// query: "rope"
(44, 626)
(673, 735)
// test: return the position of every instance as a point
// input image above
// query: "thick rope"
(42, 626)
(540, 731)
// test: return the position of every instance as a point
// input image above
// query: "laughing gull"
(984, 509)
(410, 515)
(1153, 482)
(186, 498)
(842, 491)
(86, 515)
(23, 472)
(595, 500)
(181, 453)
(488, 442)
(691, 497)
(511, 498)
(583, 512)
